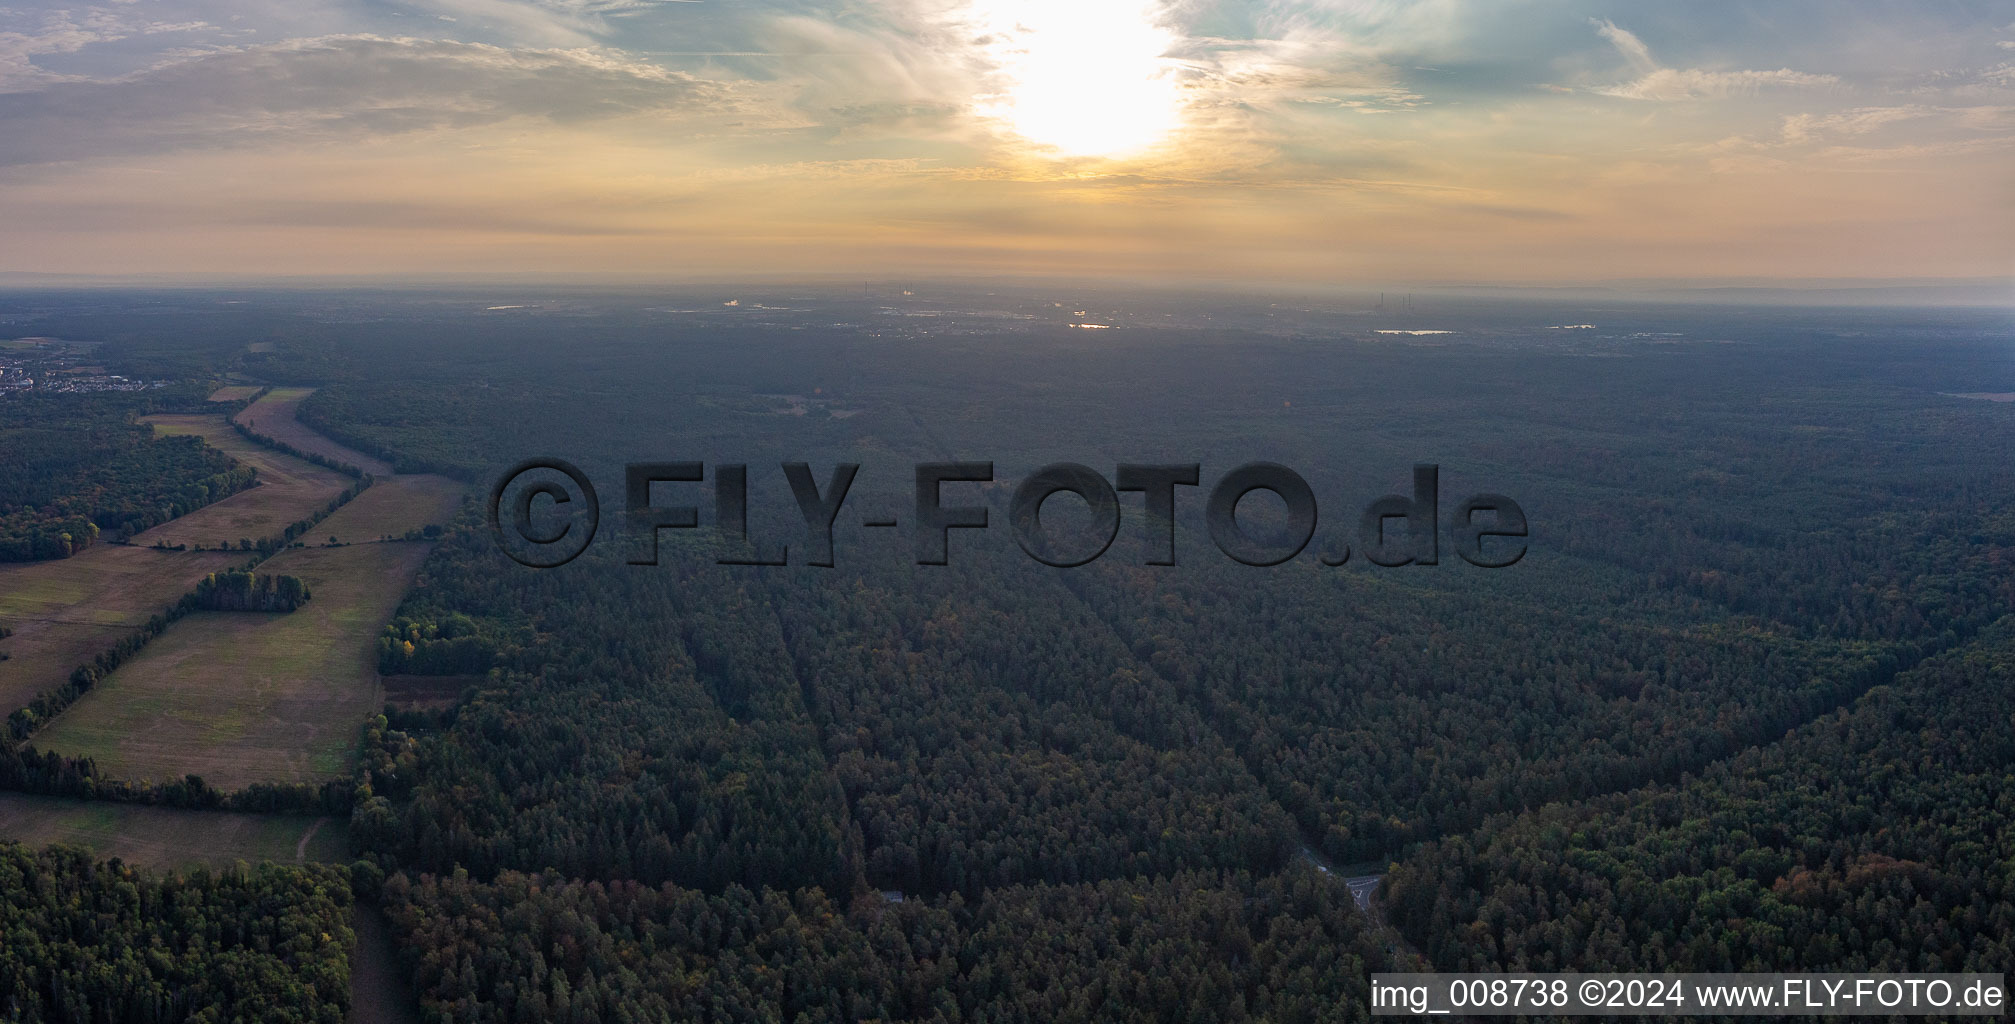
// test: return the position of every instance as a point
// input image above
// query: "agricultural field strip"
(65, 613)
(275, 415)
(167, 838)
(392, 507)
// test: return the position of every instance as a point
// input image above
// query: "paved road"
(1361, 889)
(1361, 886)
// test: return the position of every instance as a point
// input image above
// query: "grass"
(64, 612)
(273, 416)
(391, 506)
(164, 837)
(242, 697)
(289, 489)
(234, 393)
(417, 693)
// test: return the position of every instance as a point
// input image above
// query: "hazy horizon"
(1976, 293)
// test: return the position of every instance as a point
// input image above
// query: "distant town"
(54, 366)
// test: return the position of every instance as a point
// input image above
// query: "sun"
(1081, 77)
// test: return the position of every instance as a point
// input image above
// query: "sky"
(1337, 142)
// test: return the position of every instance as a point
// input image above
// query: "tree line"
(242, 591)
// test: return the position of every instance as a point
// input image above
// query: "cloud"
(1655, 82)
(613, 8)
(1385, 28)
(1302, 65)
(1914, 151)
(1859, 121)
(338, 87)
(1965, 122)
(569, 23)
(946, 70)
(1867, 134)
(530, 23)
(1670, 84)
(63, 32)
(913, 60)
(1627, 44)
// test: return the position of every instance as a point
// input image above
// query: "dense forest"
(1185, 947)
(1876, 838)
(1741, 706)
(1712, 578)
(95, 942)
(78, 467)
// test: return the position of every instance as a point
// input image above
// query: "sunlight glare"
(1086, 77)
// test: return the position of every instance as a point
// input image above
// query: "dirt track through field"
(274, 416)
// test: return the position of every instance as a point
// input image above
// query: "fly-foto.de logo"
(546, 512)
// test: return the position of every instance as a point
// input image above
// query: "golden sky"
(1300, 141)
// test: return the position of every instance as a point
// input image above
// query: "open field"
(392, 505)
(234, 392)
(289, 489)
(426, 693)
(64, 612)
(242, 697)
(273, 416)
(379, 993)
(166, 837)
